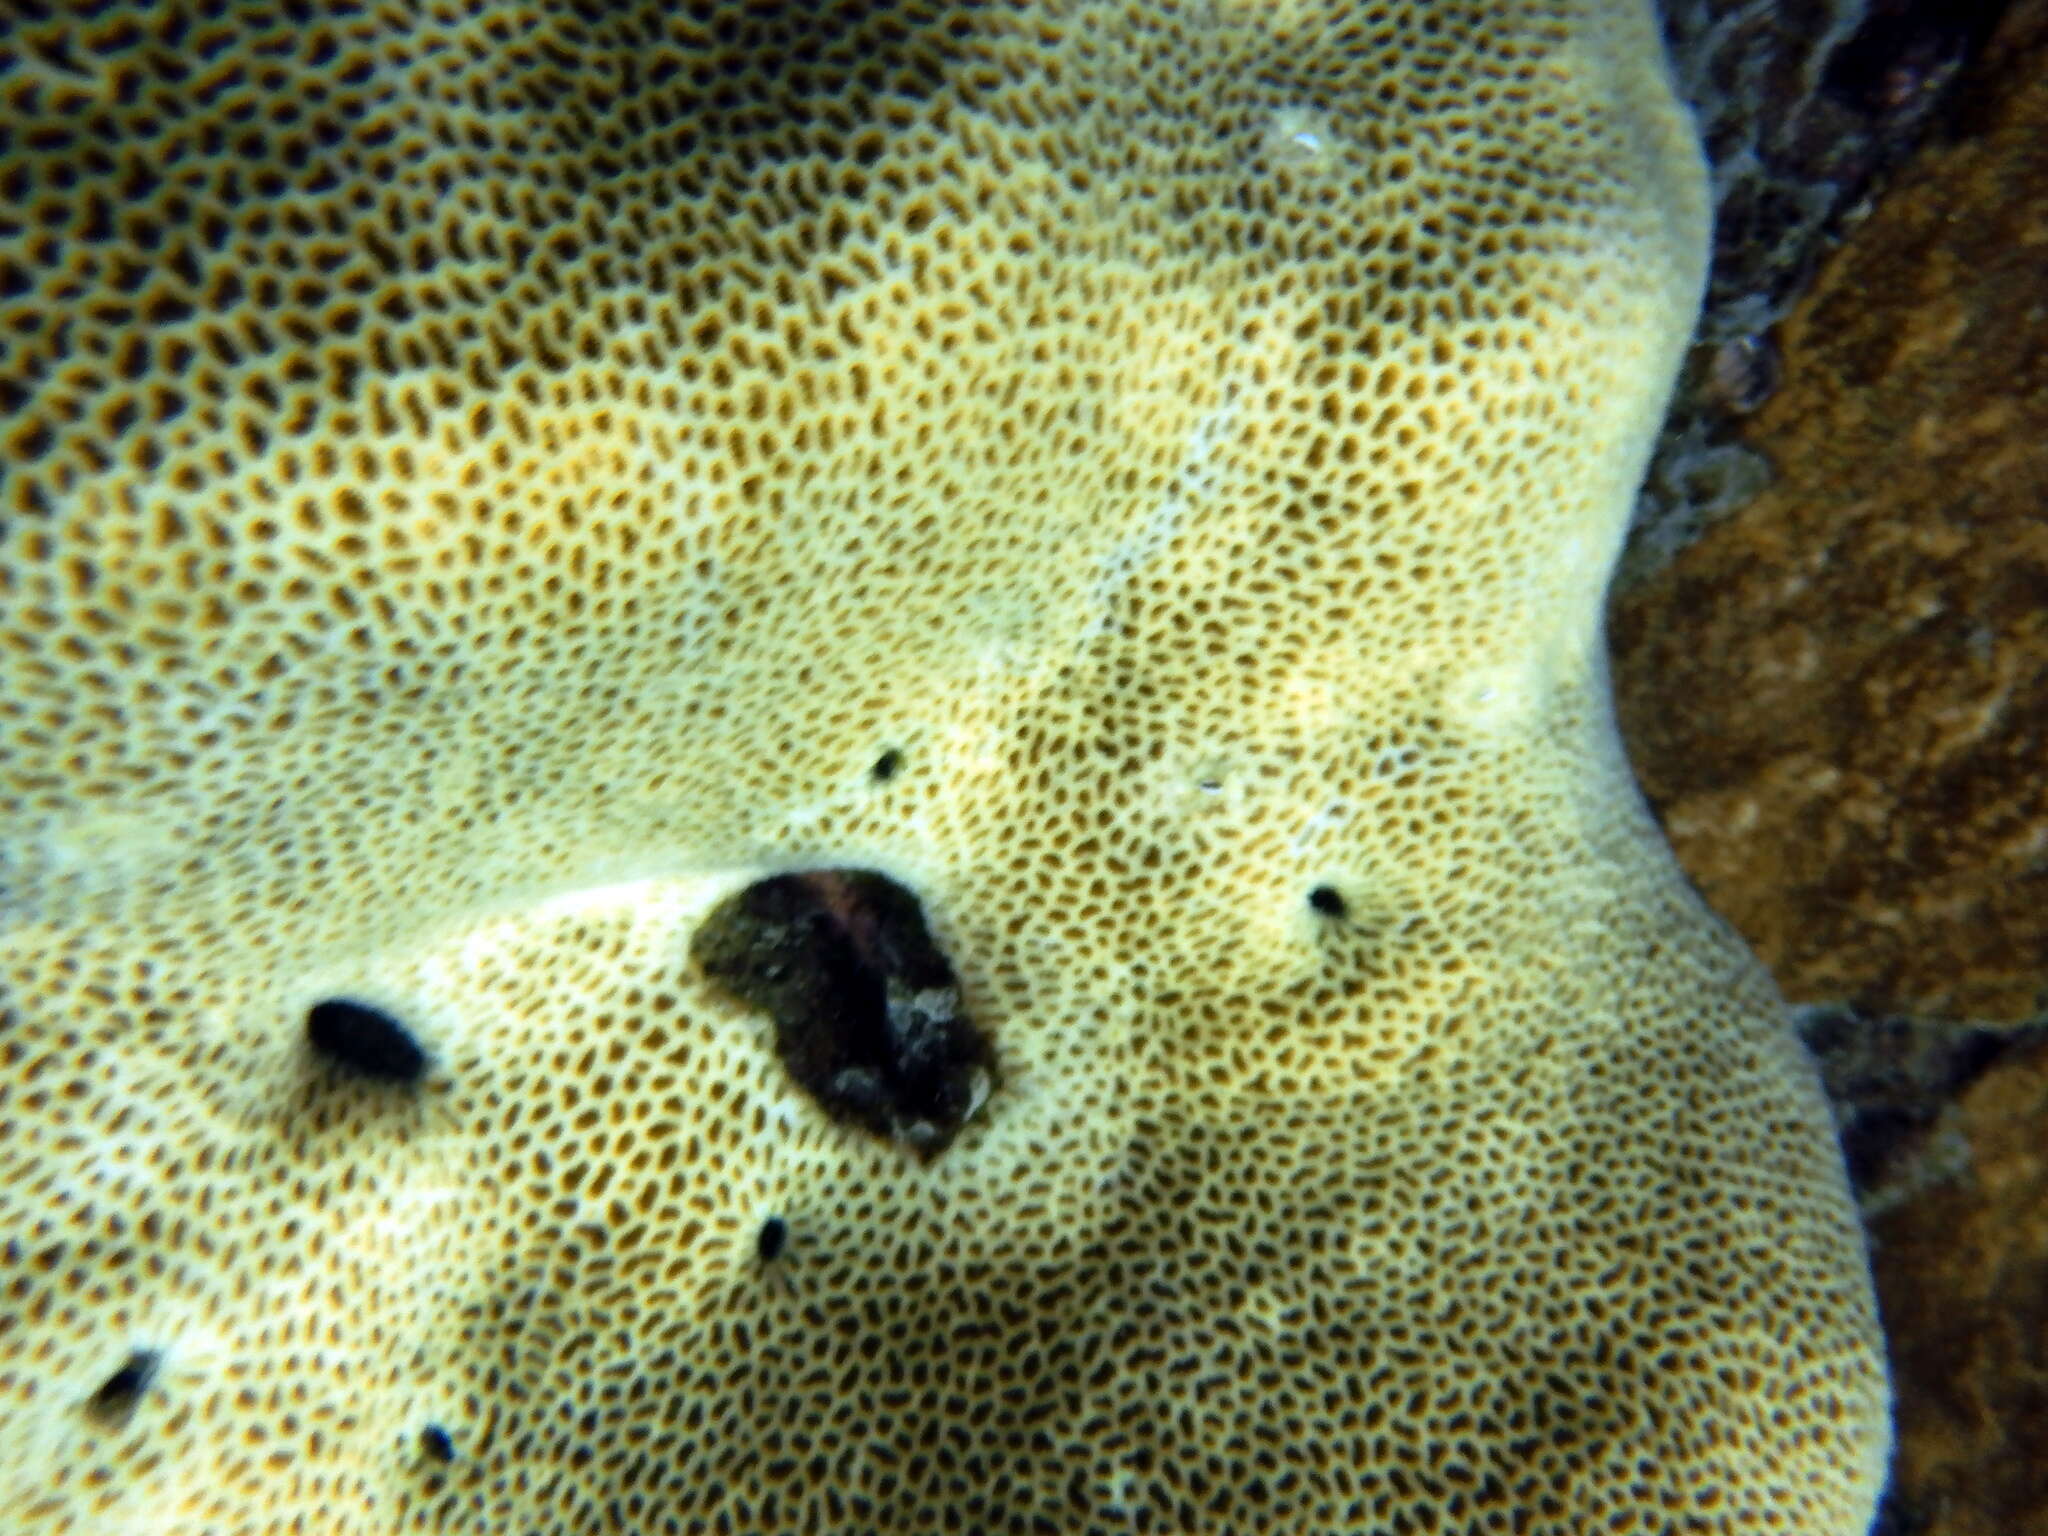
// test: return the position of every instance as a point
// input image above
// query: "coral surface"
(488, 488)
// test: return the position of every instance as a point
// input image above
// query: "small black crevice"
(365, 1042)
(887, 766)
(115, 1402)
(772, 1239)
(868, 1016)
(1906, 49)
(1328, 900)
(436, 1445)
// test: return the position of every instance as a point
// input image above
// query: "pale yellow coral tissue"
(486, 483)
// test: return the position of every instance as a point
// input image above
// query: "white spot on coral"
(1493, 701)
(1120, 1495)
(598, 901)
(1194, 479)
(1300, 138)
(1321, 824)
(108, 849)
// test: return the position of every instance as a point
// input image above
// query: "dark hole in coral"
(887, 766)
(868, 1016)
(772, 1239)
(435, 1444)
(1327, 900)
(365, 1041)
(114, 1403)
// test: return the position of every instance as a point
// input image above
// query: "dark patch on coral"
(436, 1445)
(114, 1404)
(868, 1015)
(1328, 900)
(365, 1042)
(887, 766)
(771, 1239)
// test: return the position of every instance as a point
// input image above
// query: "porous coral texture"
(1839, 700)
(485, 484)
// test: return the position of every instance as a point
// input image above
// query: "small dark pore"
(435, 1444)
(886, 766)
(115, 1401)
(365, 1041)
(1326, 900)
(772, 1239)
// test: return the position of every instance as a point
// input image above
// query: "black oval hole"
(1327, 900)
(772, 1239)
(435, 1444)
(887, 766)
(361, 1039)
(115, 1401)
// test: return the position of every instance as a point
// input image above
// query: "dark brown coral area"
(867, 1012)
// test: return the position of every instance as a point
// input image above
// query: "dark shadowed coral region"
(867, 1013)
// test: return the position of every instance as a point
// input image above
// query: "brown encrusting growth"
(488, 484)
(1838, 701)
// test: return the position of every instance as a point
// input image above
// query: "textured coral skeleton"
(487, 485)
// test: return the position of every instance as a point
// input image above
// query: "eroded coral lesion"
(868, 1015)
